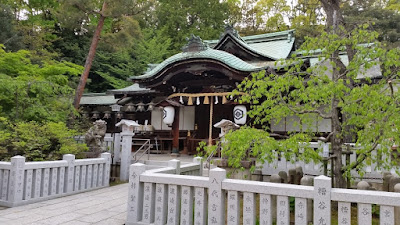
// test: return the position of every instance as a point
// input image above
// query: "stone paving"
(104, 206)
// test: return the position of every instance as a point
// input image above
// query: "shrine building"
(179, 100)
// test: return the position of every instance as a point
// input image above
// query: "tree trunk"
(337, 143)
(334, 19)
(89, 58)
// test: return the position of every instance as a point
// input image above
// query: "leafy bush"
(37, 142)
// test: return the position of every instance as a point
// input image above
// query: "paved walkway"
(104, 206)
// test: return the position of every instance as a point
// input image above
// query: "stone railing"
(27, 182)
(108, 140)
(163, 196)
(371, 172)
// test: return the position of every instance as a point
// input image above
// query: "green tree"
(35, 96)
(330, 90)
(9, 36)
(258, 16)
(199, 17)
(80, 12)
(383, 18)
(307, 18)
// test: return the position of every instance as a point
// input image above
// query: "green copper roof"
(221, 56)
(276, 45)
(134, 88)
(98, 99)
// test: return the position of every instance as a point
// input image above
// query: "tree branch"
(363, 155)
(325, 116)
(327, 139)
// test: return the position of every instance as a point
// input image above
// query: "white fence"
(27, 182)
(371, 172)
(163, 196)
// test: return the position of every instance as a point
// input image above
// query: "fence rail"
(371, 172)
(27, 182)
(164, 196)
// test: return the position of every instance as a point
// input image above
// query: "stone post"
(135, 194)
(117, 148)
(16, 180)
(275, 178)
(200, 210)
(397, 209)
(161, 204)
(265, 209)
(69, 185)
(216, 197)
(283, 176)
(393, 181)
(386, 180)
(308, 181)
(126, 151)
(364, 211)
(322, 200)
(107, 157)
(292, 174)
(200, 162)
(176, 164)
(186, 205)
(174, 196)
(234, 208)
(126, 156)
(299, 174)
(249, 208)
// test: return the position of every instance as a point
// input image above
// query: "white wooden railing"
(27, 182)
(163, 196)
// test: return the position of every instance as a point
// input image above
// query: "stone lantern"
(226, 126)
(128, 126)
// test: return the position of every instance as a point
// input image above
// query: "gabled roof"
(274, 46)
(98, 99)
(212, 54)
(264, 47)
(133, 89)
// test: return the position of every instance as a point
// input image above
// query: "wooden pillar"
(175, 132)
(210, 123)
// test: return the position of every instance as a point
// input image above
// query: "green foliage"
(200, 17)
(34, 91)
(382, 17)
(371, 105)
(35, 102)
(153, 48)
(249, 143)
(9, 37)
(49, 141)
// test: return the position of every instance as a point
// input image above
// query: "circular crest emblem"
(238, 114)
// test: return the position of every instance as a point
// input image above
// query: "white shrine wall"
(186, 118)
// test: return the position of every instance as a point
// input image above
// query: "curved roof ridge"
(275, 46)
(282, 52)
(214, 54)
(267, 35)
